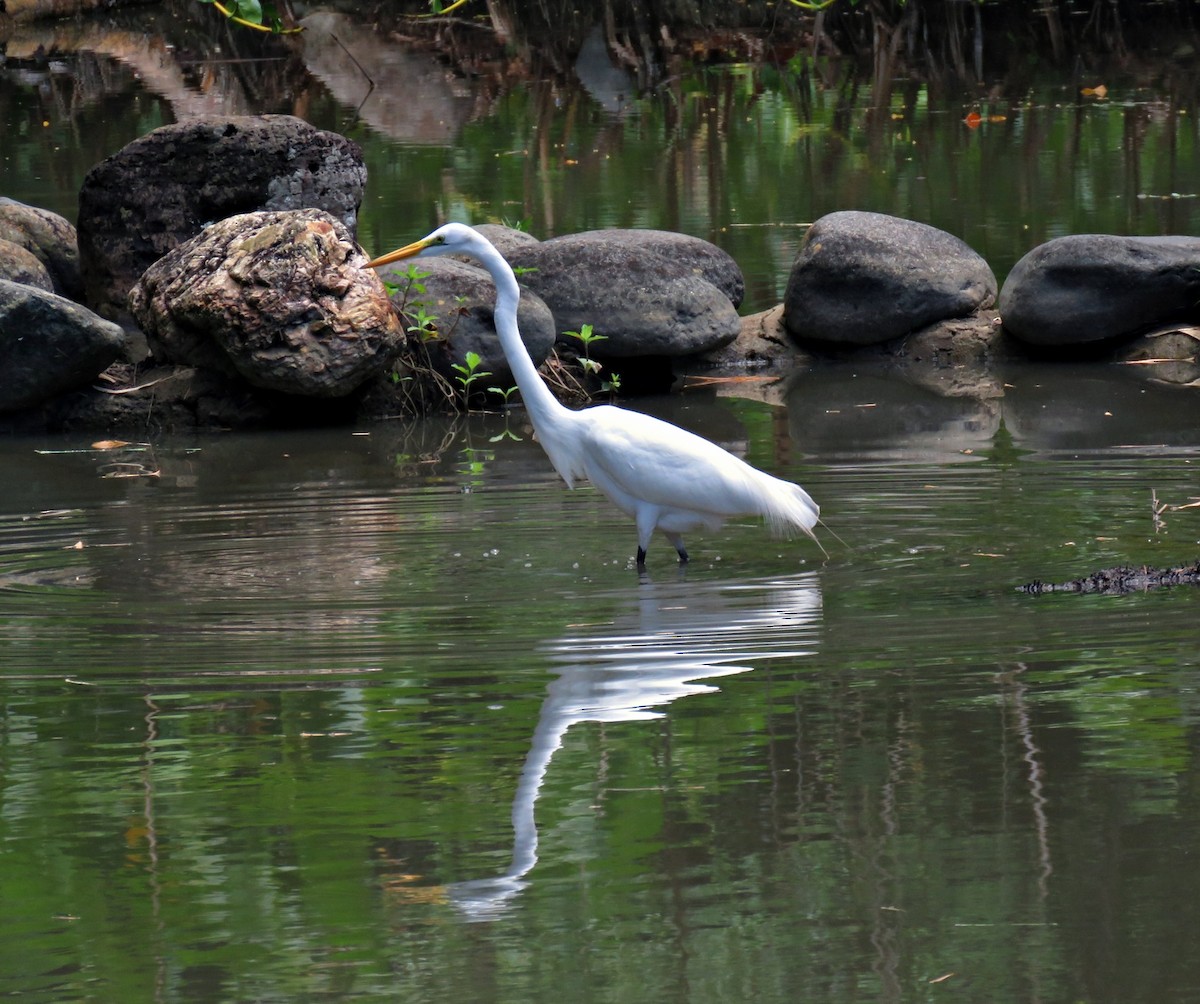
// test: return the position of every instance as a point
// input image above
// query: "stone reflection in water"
(1096, 407)
(672, 637)
(839, 408)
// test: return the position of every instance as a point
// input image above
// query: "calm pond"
(385, 713)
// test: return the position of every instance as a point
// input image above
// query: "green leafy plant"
(255, 14)
(423, 322)
(588, 337)
(504, 393)
(412, 277)
(611, 386)
(469, 371)
(436, 7)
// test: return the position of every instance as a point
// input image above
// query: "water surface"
(387, 713)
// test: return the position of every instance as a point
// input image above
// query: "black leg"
(641, 558)
(683, 556)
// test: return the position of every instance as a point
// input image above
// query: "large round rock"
(642, 302)
(165, 187)
(865, 278)
(49, 345)
(690, 254)
(1098, 287)
(48, 237)
(20, 265)
(282, 299)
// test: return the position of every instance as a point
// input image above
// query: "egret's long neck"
(540, 403)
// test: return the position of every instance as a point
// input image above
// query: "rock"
(762, 343)
(19, 265)
(49, 238)
(503, 238)
(1090, 288)
(643, 303)
(165, 187)
(954, 358)
(976, 339)
(158, 399)
(462, 299)
(280, 298)
(49, 345)
(690, 254)
(865, 278)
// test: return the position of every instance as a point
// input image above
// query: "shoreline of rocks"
(183, 301)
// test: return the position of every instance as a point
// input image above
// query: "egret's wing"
(655, 462)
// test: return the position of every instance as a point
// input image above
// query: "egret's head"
(451, 238)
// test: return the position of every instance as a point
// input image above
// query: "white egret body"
(666, 478)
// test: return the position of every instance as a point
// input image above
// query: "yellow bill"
(415, 248)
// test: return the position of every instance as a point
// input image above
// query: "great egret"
(667, 479)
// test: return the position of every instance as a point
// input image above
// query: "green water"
(325, 716)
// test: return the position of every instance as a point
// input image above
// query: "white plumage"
(666, 478)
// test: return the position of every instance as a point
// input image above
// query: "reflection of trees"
(933, 38)
(199, 66)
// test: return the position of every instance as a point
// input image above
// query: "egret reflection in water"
(671, 638)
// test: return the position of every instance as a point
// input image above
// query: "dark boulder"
(282, 299)
(1090, 288)
(49, 345)
(642, 302)
(865, 278)
(165, 187)
(49, 238)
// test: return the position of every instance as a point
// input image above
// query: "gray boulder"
(20, 265)
(49, 238)
(49, 345)
(165, 187)
(1097, 287)
(690, 254)
(281, 299)
(643, 303)
(462, 299)
(504, 239)
(865, 278)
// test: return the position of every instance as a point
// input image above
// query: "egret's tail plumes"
(788, 508)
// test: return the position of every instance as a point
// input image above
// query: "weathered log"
(1121, 579)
